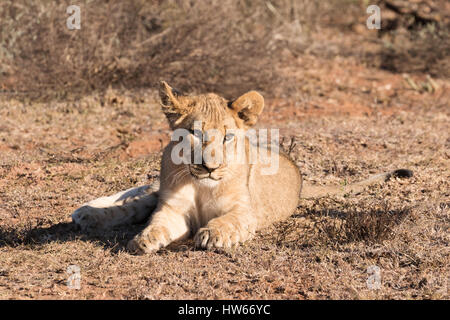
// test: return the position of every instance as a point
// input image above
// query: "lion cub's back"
(275, 196)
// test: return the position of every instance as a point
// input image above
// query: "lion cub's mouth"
(200, 174)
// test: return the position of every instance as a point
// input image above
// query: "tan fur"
(220, 204)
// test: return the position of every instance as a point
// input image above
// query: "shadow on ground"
(115, 239)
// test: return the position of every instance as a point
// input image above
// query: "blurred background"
(226, 46)
(80, 119)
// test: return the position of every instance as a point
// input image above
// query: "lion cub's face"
(214, 127)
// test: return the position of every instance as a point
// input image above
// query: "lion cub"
(211, 185)
(221, 202)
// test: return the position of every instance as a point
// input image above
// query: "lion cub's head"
(213, 125)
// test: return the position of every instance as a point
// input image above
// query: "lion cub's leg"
(167, 224)
(130, 206)
(238, 225)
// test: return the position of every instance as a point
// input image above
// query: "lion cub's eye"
(228, 137)
(197, 134)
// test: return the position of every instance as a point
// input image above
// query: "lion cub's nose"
(209, 166)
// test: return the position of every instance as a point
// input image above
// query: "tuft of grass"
(330, 222)
(368, 222)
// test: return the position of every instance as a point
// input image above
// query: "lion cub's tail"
(310, 191)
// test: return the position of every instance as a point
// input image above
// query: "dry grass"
(419, 51)
(135, 44)
(343, 119)
(51, 163)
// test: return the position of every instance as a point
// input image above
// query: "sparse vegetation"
(88, 124)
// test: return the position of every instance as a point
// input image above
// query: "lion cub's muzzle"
(205, 170)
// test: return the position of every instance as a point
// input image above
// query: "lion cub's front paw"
(87, 218)
(211, 238)
(138, 246)
(146, 242)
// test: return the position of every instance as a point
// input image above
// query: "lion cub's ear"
(249, 106)
(172, 106)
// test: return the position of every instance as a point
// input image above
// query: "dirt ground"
(345, 121)
(360, 121)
